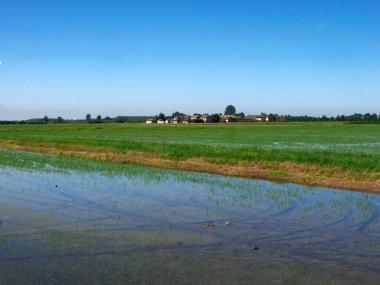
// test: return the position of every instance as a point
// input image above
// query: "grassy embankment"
(325, 154)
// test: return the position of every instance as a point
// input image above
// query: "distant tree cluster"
(106, 119)
(215, 118)
(121, 119)
(176, 113)
(357, 117)
(98, 119)
(117, 119)
(230, 110)
(161, 116)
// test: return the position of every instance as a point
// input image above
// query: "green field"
(348, 146)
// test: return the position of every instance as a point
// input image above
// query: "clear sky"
(72, 57)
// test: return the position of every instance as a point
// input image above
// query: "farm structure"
(206, 118)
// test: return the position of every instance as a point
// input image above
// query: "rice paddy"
(70, 220)
(326, 154)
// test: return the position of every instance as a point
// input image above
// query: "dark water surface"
(73, 221)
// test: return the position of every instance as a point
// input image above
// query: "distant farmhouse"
(151, 121)
(280, 118)
(230, 118)
(257, 118)
(206, 118)
(265, 118)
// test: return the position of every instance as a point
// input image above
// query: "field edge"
(286, 172)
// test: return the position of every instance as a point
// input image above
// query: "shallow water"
(66, 220)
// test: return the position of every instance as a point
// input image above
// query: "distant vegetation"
(229, 110)
(357, 117)
(88, 119)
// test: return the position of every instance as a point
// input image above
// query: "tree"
(99, 118)
(46, 119)
(88, 118)
(357, 117)
(324, 118)
(241, 115)
(272, 117)
(121, 119)
(367, 117)
(230, 110)
(60, 120)
(215, 118)
(161, 116)
(176, 113)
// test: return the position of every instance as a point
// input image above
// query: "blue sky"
(68, 58)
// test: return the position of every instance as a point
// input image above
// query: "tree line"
(88, 119)
(230, 110)
(357, 117)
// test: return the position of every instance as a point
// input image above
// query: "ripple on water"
(61, 213)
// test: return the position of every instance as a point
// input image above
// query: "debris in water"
(253, 248)
(208, 225)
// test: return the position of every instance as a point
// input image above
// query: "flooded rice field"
(74, 221)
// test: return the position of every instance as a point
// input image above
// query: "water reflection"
(109, 223)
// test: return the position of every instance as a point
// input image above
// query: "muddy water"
(72, 221)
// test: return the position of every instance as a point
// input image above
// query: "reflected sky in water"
(136, 223)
